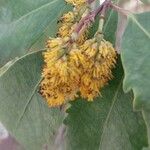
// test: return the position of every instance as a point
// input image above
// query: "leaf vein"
(109, 113)
(35, 10)
(141, 27)
(28, 102)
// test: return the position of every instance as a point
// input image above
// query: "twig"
(90, 1)
(88, 19)
(119, 9)
(60, 137)
(103, 14)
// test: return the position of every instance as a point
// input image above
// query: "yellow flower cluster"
(99, 59)
(74, 68)
(60, 77)
(77, 3)
(69, 21)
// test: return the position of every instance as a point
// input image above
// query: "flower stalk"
(90, 17)
(90, 1)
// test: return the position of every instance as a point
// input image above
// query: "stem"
(101, 24)
(90, 1)
(90, 17)
(103, 14)
(60, 137)
(119, 9)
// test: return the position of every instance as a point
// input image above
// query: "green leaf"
(146, 115)
(110, 26)
(135, 58)
(7, 65)
(23, 22)
(22, 110)
(108, 123)
(146, 1)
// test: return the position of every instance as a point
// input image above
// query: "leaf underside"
(22, 110)
(108, 123)
(135, 57)
(22, 23)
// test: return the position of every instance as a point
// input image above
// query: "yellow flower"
(100, 58)
(89, 48)
(54, 50)
(82, 69)
(82, 37)
(68, 17)
(53, 96)
(54, 42)
(76, 3)
(57, 86)
(60, 75)
(69, 22)
(74, 65)
(66, 25)
(65, 30)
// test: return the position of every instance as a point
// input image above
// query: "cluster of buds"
(75, 65)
